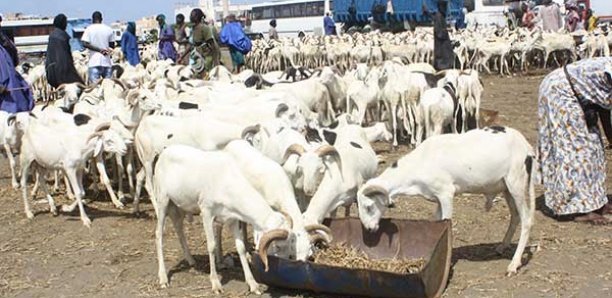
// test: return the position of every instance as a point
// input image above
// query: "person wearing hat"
(166, 40)
(444, 57)
(59, 63)
(272, 33)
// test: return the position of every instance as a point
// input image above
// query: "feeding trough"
(396, 238)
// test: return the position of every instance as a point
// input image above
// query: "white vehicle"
(485, 12)
(292, 16)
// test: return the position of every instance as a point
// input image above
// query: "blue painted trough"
(396, 238)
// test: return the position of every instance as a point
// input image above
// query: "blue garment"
(237, 57)
(232, 35)
(460, 24)
(166, 46)
(129, 46)
(330, 26)
(97, 72)
(15, 101)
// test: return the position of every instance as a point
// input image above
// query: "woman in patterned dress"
(570, 147)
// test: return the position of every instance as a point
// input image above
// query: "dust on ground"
(58, 256)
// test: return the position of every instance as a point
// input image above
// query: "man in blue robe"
(15, 93)
(329, 24)
(129, 44)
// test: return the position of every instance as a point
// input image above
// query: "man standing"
(181, 38)
(551, 16)
(166, 48)
(98, 39)
(129, 44)
(329, 24)
(272, 33)
(444, 56)
(59, 63)
(15, 93)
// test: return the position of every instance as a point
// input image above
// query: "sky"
(127, 10)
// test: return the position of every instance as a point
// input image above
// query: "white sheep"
(486, 161)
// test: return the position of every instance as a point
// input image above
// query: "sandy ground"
(59, 257)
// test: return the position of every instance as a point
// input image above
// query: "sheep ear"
(98, 148)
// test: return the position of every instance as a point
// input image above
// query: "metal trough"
(396, 238)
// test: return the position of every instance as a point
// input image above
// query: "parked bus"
(32, 35)
(486, 12)
(292, 16)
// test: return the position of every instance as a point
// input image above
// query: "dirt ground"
(59, 257)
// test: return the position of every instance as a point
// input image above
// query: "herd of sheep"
(281, 149)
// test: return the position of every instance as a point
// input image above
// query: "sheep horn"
(317, 227)
(94, 135)
(266, 240)
(250, 130)
(281, 109)
(328, 150)
(103, 126)
(92, 86)
(9, 119)
(60, 87)
(120, 83)
(317, 238)
(132, 98)
(287, 218)
(81, 86)
(293, 149)
(371, 190)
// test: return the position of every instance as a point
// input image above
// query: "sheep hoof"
(29, 214)
(16, 185)
(87, 222)
(163, 285)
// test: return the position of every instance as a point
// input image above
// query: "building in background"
(31, 33)
(214, 9)
(144, 27)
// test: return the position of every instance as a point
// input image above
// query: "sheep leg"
(525, 213)
(36, 185)
(177, 216)
(119, 170)
(25, 165)
(208, 222)
(13, 166)
(514, 220)
(241, 249)
(56, 184)
(140, 181)
(69, 190)
(218, 227)
(45, 189)
(104, 179)
(130, 169)
(159, 235)
(393, 115)
(445, 205)
(75, 182)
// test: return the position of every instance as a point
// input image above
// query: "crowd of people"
(548, 16)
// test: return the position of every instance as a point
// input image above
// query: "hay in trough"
(350, 257)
